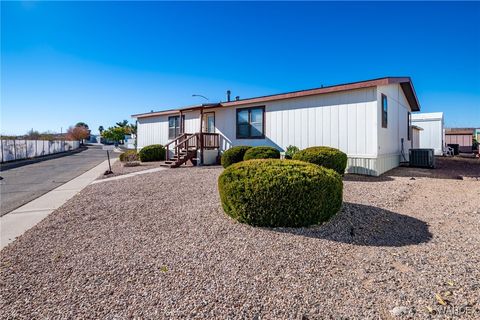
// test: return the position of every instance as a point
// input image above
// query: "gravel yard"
(159, 246)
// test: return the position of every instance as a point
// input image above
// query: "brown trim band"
(404, 82)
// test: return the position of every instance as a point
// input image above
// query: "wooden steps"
(182, 158)
(186, 147)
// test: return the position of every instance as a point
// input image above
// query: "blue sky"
(100, 62)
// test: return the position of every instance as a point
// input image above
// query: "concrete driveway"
(24, 184)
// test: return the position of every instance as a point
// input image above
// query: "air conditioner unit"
(423, 158)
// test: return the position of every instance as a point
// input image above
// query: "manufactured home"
(432, 136)
(368, 120)
(461, 136)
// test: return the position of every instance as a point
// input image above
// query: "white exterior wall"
(192, 122)
(348, 120)
(152, 131)
(416, 138)
(431, 136)
(342, 120)
(390, 138)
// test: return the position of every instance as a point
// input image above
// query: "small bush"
(327, 157)
(233, 155)
(128, 156)
(280, 193)
(154, 152)
(290, 151)
(262, 153)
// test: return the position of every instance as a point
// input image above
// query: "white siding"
(343, 120)
(390, 138)
(372, 166)
(348, 120)
(416, 138)
(152, 131)
(192, 122)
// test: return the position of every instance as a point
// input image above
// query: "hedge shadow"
(365, 225)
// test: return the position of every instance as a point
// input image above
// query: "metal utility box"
(423, 158)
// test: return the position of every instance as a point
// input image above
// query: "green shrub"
(262, 153)
(233, 155)
(280, 193)
(324, 156)
(154, 152)
(128, 156)
(290, 152)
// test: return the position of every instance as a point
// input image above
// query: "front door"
(208, 122)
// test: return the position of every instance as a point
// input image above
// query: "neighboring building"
(431, 137)
(93, 138)
(130, 141)
(416, 136)
(368, 120)
(461, 136)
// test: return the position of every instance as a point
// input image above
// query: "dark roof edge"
(171, 111)
(405, 83)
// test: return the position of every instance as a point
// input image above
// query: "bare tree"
(78, 133)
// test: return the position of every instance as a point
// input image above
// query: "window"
(384, 111)
(174, 126)
(250, 123)
(409, 125)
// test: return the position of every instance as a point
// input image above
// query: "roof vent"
(228, 95)
(237, 98)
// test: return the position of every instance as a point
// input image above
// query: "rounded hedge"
(129, 155)
(233, 155)
(154, 152)
(262, 153)
(280, 193)
(324, 156)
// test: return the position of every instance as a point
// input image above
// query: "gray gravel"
(159, 246)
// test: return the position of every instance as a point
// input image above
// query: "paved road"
(24, 184)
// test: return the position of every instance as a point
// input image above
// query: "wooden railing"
(210, 140)
(196, 140)
(190, 141)
(175, 143)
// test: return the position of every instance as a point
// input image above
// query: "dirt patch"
(445, 168)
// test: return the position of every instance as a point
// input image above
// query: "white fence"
(26, 149)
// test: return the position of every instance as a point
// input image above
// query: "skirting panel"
(372, 166)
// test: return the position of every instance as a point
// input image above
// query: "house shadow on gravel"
(364, 225)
